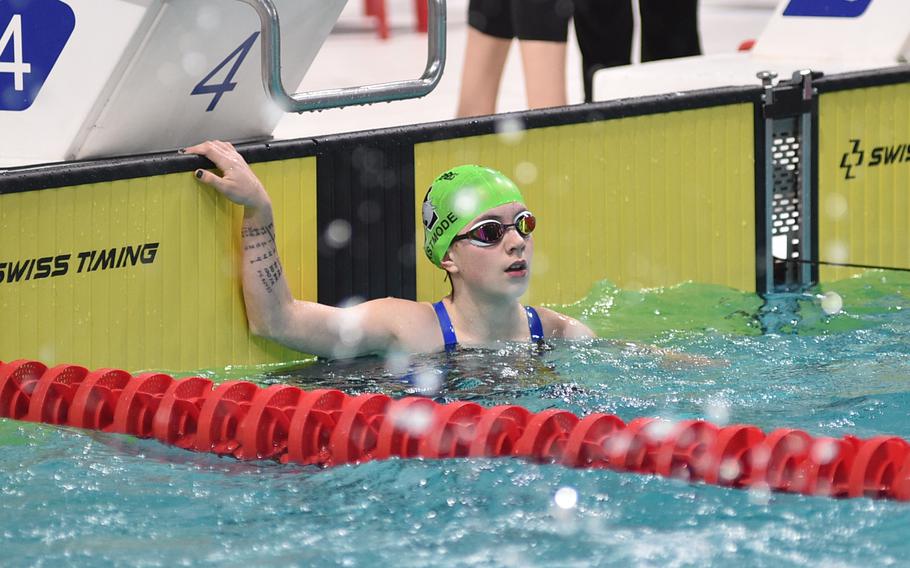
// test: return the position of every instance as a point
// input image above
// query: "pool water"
(78, 498)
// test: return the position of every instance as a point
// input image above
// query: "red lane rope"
(328, 427)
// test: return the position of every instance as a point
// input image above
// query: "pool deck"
(354, 54)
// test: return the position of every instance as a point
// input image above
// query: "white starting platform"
(99, 78)
(832, 36)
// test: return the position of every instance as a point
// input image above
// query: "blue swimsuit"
(448, 330)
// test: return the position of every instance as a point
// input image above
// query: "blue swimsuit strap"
(445, 323)
(448, 330)
(534, 324)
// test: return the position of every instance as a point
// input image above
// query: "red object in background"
(746, 45)
(377, 9)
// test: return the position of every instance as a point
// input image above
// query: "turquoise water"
(74, 498)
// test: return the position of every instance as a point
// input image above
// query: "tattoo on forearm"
(268, 230)
(266, 246)
(263, 250)
(269, 275)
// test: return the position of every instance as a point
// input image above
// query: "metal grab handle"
(362, 95)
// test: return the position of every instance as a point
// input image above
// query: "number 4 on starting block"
(39, 29)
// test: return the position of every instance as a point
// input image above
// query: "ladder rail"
(347, 96)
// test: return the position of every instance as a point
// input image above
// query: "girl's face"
(502, 268)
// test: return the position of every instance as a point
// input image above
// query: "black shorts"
(542, 20)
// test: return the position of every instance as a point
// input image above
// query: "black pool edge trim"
(81, 172)
(761, 235)
(814, 192)
(863, 79)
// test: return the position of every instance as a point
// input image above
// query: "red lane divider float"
(328, 427)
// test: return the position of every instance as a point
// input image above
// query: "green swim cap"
(455, 198)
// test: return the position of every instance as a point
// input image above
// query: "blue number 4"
(218, 89)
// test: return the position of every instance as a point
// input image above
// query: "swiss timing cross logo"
(852, 159)
(878, 157)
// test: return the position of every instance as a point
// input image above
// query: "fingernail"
(198, 174)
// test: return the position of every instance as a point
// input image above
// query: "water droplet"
(760, 456)
(208, 18)
(836, 206)
(465, 203)
(618, 443)
(760, 494)
(658, 429)
(397, 363)
(566, 498)
(717, 412)
(824, 451)
(428, 381)
(338, 233)
(729, 470)
(194, 63)
(416, 420)
(837, 251)
(525, 173)
(832, 303)
(510, 130)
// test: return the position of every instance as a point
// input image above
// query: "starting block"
(99, 78)
(90, 78)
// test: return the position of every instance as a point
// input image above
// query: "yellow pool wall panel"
(864, 179)
(181, 310)
(644, 202)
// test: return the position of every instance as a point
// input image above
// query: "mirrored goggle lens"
(489, 232)
(525, 224)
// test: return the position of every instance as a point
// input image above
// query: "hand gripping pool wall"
(329, 428)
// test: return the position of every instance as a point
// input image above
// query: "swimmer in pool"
(477, 229)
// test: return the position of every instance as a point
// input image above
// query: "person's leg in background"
(604, 32)
(542, 27)
(669, 29)
(489, 38)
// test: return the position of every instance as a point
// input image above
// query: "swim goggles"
(488, 233)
